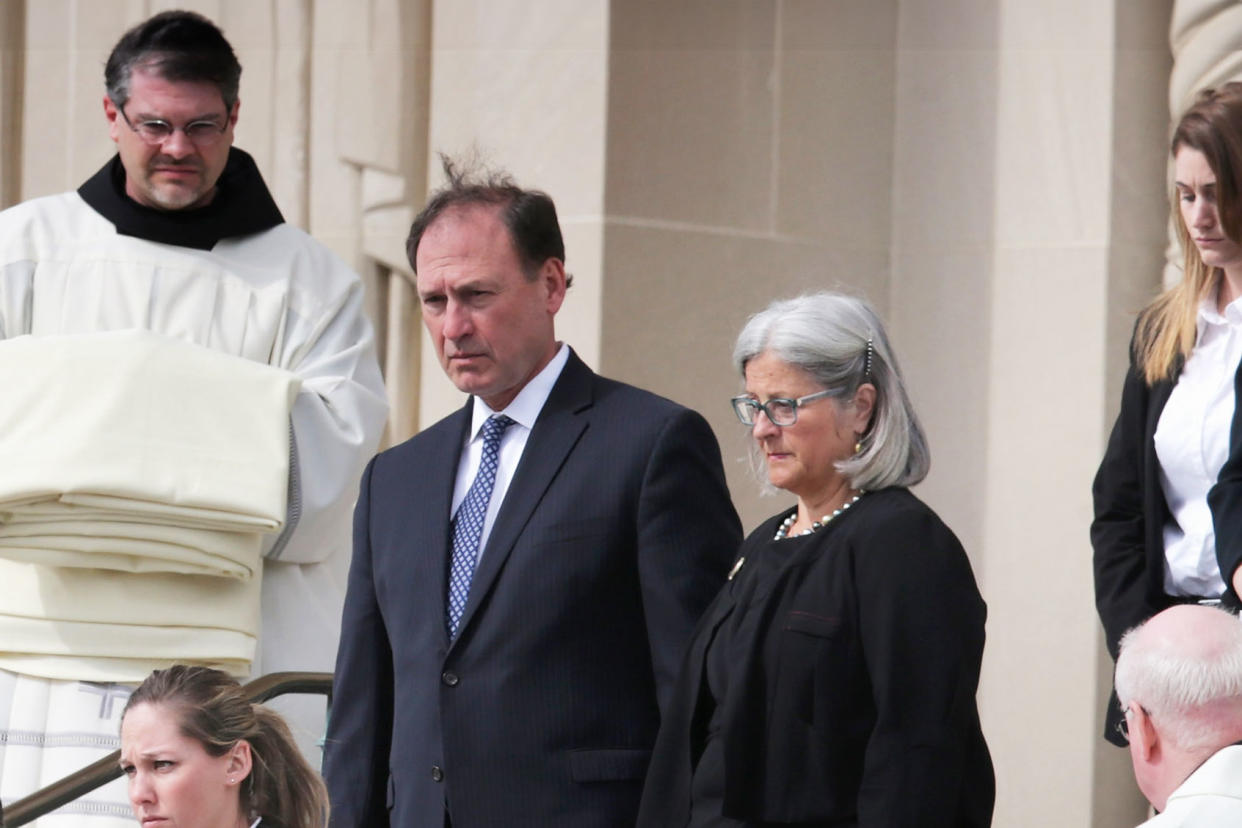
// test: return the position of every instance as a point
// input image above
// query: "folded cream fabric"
(137, 475)
(132, 547)
(100, 625)
(73, 506)
(106, 429)
(130, 414)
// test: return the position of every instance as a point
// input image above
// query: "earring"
(858, 447)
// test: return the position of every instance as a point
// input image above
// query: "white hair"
(840, 341)
(1185, 689)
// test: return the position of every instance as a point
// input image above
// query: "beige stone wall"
(989, 173)
(749, 157)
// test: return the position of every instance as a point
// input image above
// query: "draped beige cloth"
(134, 492)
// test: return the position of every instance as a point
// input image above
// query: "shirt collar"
(1210, 317)
(525, 408)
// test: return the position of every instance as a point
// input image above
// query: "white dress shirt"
(1192, 443)
(524, 410)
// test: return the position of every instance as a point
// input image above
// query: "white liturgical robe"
(92, 261)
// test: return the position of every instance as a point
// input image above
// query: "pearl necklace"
(782, 531)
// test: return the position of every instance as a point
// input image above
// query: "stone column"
(1047, 242)
(369, 161)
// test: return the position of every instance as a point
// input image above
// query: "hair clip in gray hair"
(867, 365)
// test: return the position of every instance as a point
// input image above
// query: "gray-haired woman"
(833, 680)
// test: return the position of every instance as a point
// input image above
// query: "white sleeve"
(337, 418)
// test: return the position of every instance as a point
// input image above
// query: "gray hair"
(1185, 688)
(840, 341)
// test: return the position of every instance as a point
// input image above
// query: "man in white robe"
(179, 236)
(1179, 681)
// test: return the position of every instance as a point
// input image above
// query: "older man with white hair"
(1179, 679)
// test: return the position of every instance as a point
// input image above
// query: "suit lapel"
(560, 425)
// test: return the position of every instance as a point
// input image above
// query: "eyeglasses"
(1123, 726)
(201, 133)
(781, 411)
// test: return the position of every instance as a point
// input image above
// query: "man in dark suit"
(526, 571)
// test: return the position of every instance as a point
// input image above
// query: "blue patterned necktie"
(468, 523)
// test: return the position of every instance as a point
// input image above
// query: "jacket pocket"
(822, 626)
(813, 669)
(614, 765)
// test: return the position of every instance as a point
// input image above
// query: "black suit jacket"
(615, 533)
(1127, 534)
(850, 681)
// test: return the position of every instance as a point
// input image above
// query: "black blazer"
(615, 533)
(854, 702)
(1127, 533)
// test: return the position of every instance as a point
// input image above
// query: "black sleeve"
(921, 620)
(1118, 530)
(688, 535)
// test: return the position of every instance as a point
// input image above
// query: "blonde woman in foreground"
(199, 755)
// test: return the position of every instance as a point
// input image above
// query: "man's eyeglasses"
(202, 133)
(1123, 726)
(781, 411)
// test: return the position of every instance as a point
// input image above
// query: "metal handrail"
(45, 800)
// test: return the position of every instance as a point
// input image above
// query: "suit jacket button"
(437, 773)
(449, 678)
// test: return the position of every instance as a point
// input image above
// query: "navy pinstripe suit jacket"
(615, 533)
